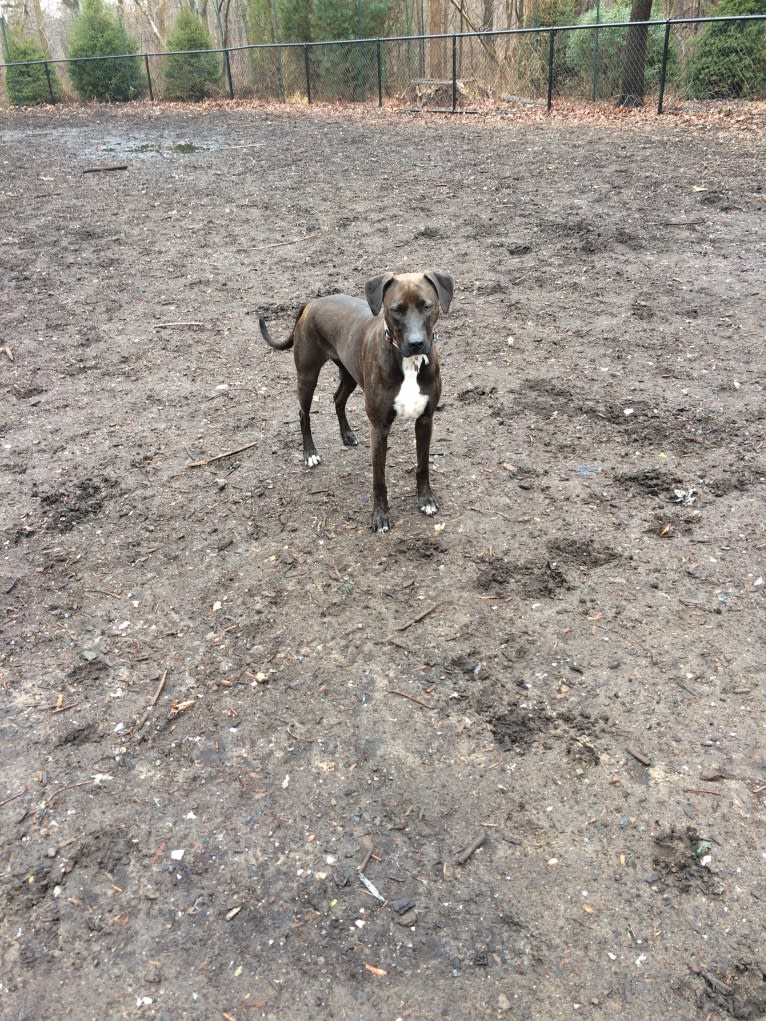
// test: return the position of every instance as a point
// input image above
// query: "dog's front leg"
(381, 521)
(426, 500)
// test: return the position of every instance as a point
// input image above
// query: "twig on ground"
(169, 326)
(701, 790)
(492, 513)
(639, 757)
(155, 699)
(59, 707)
(13, 797)
(420, 616)
(7, 352)
(67, 787)
(222, 457)
(715, 983)
(366, 860)
(104, 169)
(158, 692)
(403, 694)
(462, 856)
(294, 241)
(297, 737)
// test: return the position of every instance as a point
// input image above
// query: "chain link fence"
(627, 63)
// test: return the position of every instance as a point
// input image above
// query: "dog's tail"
(283, 345)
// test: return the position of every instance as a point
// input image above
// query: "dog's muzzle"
(410, 348)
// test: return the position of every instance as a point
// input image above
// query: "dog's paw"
(349, 439)
(429, 506)
(381, 522)
(312, 460)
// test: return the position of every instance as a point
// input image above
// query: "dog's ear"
(443, 284)
(375, 289)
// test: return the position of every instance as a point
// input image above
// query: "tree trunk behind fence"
(633, 84)
(437, 66)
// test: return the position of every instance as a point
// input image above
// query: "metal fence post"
(664, 68)
(551, 46)
(454, 73)
(229, 80)
(148, 77)
(307, 65)
(50, 83)
(596, 52)
(378, 47)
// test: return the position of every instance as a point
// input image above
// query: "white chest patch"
(410, 402)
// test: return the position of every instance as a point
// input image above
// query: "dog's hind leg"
(309, 359)
(306, 387)
(346, 387)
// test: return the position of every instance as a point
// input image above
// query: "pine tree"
(98, 32)
(191, 76)
(29, 85)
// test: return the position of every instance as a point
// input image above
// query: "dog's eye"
(428, 306)
(398, 311)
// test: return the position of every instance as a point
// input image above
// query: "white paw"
(312, 460)
(430, 508)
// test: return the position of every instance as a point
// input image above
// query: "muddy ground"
(535, 722)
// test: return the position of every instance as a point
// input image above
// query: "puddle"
(147, 149)
(134, 147)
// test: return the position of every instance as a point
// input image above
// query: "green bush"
(295, 19)
(728, 60)
(605, 60)
(191, 76)
(28, 86)
(337, 71)
(347, 72)
(98, 32)
(534, 49)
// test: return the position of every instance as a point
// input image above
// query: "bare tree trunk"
(157, 29)
(633, 61)
(436, 48)
(39, 22)
(514, 13)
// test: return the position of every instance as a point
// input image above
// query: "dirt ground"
(535, 723)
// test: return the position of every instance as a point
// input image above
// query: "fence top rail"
(123, 56)
(538, 30)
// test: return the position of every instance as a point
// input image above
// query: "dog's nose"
(417, 346)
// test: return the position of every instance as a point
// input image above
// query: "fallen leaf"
(375, 971)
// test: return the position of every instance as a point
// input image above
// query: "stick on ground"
(102, 170)
(170, 326)
(420, 616)
(222, 457)
(294, 241)
(417, 701)
(462, 856)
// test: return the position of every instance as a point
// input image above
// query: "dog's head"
(411, 303)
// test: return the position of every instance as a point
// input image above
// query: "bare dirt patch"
(535, 723)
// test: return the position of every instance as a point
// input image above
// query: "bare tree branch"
(484, 43)
(152, 23)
